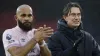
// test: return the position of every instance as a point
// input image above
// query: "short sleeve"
(9, 40)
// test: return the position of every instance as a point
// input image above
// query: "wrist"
(42, 44)
(34, 39)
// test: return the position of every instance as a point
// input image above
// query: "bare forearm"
(24, 50)
(45, 51)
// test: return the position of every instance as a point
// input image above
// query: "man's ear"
(15, 16)
(33, 16)
(64, 17)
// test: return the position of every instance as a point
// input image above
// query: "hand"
(42, 32)
(48, 31)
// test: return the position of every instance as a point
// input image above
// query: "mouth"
(76, 22)
(27, 23)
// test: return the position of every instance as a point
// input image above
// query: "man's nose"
(26, 18)
(76, 17)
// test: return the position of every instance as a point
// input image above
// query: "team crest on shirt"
(8, 37)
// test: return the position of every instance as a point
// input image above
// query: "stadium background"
(48, 12)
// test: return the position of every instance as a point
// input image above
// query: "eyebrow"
(26, 14)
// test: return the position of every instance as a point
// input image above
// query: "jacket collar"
(63, 27)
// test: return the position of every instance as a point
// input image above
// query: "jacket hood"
(72, 33)
(63, 24)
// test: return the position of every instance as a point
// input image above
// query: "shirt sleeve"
(9, 40)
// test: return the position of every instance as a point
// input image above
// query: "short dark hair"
(68, 7)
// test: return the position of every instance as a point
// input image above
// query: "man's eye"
(29, 15)
(79, 14)
(73, 14)
(23, 15)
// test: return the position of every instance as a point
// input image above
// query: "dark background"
(48, 12)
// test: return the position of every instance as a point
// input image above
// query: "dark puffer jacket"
(72, 42)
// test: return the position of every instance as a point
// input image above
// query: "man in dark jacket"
(70, 39)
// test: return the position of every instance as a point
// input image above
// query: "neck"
(74, 27)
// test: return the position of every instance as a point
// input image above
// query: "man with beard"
(23, 40)
(70, 39)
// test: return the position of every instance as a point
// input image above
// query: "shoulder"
(56, 35)
(88, 35)
(31, 33)
(33, 30)
(7, 35)
(7, 31)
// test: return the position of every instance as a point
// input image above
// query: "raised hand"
(42, 32)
